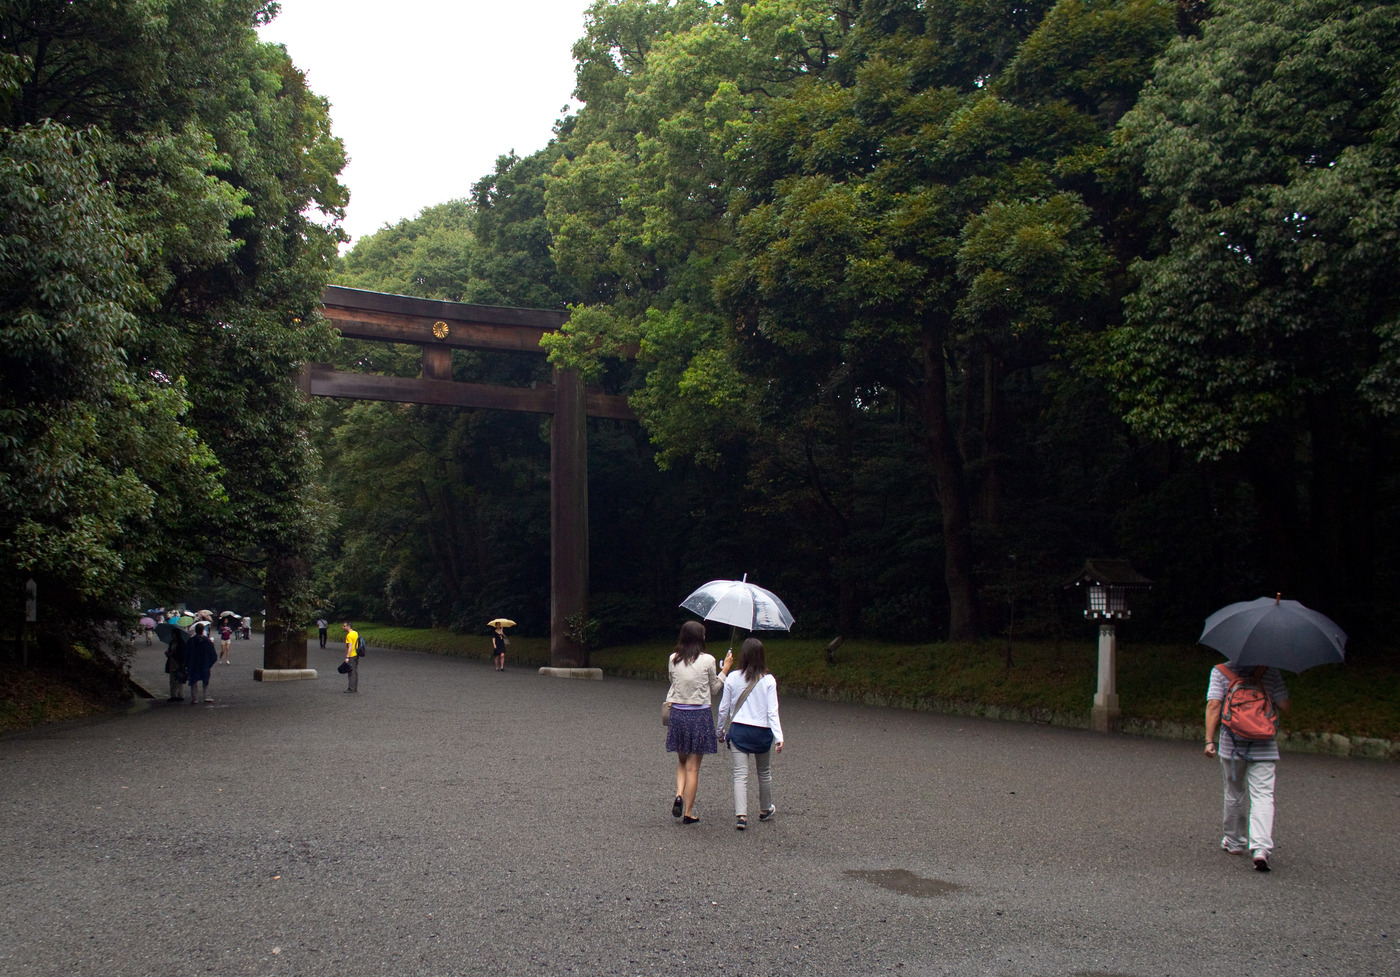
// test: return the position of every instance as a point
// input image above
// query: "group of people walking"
(749, 726)
(748, 722)
(190, 660)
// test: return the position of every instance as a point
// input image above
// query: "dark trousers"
(322, 633)
(354, 675)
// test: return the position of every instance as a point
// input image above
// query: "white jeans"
(1249, 784)
(741, 780)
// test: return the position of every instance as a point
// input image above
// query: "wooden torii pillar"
(440, 327)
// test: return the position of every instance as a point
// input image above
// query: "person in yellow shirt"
(352, 657)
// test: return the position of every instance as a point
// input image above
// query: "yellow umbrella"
(500, 622)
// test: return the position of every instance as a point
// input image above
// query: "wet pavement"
(448, 819)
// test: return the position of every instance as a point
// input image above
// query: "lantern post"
(1106, 585)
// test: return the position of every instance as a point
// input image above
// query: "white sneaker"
(1229, 848)
(1261, 860)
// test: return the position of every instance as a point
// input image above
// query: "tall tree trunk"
(964, 606)
(441, 545)
(837, 502)
(1273, 476)
(284, 636)
(1342, 491)
(991, 439)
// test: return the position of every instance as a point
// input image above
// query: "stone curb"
(591, 674)
(283, 674)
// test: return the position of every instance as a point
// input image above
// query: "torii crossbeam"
(440, 327)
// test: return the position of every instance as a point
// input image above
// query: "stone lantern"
(1106, 585)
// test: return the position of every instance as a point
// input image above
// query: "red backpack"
(1247, 709)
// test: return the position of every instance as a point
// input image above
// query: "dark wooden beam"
(439, 327)
(437, 363)
(322, 380)
(403, 319)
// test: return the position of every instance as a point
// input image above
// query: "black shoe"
(687, 819)
(678, 806)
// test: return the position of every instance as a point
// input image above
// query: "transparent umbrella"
(740, 604)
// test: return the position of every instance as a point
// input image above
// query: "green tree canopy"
(1266, 320)
(198, 153)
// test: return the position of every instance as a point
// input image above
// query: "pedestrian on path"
(690, 733)
(200, 657)
(498, 648)
(352, 657)
(1246, 764)
(175, 665)
(749, 726)
(321, 625)
(225, 639)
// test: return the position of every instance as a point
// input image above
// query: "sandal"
(740, 822)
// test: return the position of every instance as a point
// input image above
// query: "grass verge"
(1156, 683)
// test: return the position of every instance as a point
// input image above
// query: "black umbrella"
(1270, 631)
(165, 630)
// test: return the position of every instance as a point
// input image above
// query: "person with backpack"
(1242, 706)
(352, 657)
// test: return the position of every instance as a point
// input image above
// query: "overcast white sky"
(427, 93)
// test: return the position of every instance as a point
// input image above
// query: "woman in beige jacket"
(691, 731)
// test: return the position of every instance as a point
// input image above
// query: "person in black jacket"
(175, 665)
(200, 657)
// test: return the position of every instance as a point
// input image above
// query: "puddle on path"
(904, 882)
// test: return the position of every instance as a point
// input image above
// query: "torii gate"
(440, 327)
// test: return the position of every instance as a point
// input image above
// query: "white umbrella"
(741, 604)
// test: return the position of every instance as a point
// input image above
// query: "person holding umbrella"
(175, 664)
(1246, 765)
(749, 724)
(1243, 700)
(690, 732)
(499, 641)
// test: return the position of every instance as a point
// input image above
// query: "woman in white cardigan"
(752, 728)
(690, 733)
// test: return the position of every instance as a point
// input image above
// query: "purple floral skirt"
(691, 731)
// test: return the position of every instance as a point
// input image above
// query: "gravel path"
(452, 820)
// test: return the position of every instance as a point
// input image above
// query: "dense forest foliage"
(931, 300)
(920, 304)
(161, 270)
